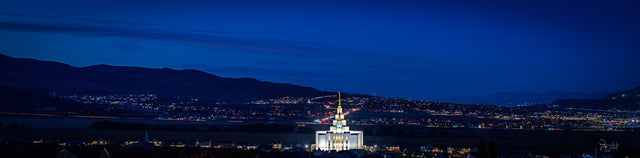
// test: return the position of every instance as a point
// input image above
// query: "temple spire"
(339, 98)
(339, 110)
(146, 136)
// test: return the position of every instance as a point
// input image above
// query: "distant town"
(385, 111)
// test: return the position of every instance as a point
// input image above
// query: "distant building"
(338, 137)
(156, 142)
(393, 148)
(276, 145)
(178, 144)
(148, 144)
(99, 141)
(203, 144)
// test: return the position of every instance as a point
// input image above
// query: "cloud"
(78, 20)
(158, 32)
(273, 46)
(317, 58)
(91, 21)
(300, 54)
(244, 71)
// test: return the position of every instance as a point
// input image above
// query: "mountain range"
(46, 77)
(27, 83)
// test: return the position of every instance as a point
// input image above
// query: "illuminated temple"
(338, 137)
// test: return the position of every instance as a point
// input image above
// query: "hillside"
(623, 100)
(46, 77)
(14, 100)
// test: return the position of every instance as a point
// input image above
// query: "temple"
(338, 137)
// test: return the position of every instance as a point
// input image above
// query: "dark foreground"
(511, 143)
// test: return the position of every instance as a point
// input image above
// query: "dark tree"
(214, 129)
(493, 150)
(444, 133)
(412, 133)
(384, 131)
(14, 125)
(482, 150)
(399, 132)
(368, 131)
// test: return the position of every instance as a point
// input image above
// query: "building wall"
(353, 140)
(322, 140)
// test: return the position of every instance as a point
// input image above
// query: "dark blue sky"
(413, 49)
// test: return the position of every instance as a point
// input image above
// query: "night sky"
(412, 49)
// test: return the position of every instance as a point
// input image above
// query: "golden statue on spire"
(339, 98)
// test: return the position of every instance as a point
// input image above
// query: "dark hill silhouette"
(46, 77)
(623, 100)
(630, 94)
(12, 99)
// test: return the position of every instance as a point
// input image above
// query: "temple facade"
(338, 137)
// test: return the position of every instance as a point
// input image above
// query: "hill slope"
(45, 77)
(14, 100)
(624, 100)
